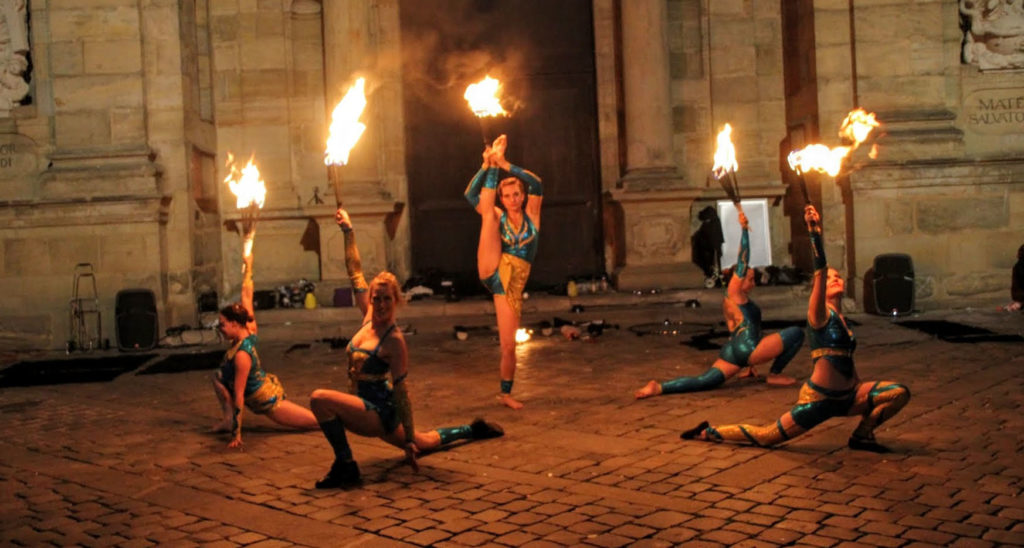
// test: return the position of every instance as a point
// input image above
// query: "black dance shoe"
(862, 444)
(483, 430)
(342, 474)
(694, 432)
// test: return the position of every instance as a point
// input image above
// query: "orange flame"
(855, 128)
(522, 335)
(483, 98)
(346, 129)
(725, 154)
(246, 184)
(818, 158)
(857, 125)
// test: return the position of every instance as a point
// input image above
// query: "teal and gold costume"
(518, 246)
(815, 404)
(368, 379)
(262, 390)
(743, 339)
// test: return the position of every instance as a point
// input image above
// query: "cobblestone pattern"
(582, 464)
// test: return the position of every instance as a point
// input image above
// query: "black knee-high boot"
(344, 471)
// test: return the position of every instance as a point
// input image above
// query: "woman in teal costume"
(241, 378)
(834, 389)
(746, 346)
(508, 244)
(378, 403)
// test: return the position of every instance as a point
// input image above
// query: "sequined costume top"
(368, 372)
(744, 337)
(835, 342)
(256, 373)
(521, 243)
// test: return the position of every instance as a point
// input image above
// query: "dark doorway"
(543, 53)
(801, 85)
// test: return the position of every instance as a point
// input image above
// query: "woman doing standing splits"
(746, 346)
(375, 407)
(508, 244)
(241, 377)
(834, 389)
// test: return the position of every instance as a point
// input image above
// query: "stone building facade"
(120, 115)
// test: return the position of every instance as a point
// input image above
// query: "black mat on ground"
(958, 332)
(75, 370)
(189, 361)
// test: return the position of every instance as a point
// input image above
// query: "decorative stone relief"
(13, 54)
(994, 38)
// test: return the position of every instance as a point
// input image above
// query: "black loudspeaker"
(135, 318)
(893, 284)
(264, 299)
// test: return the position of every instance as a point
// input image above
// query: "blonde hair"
(389, 280)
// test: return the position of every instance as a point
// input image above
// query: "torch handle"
(334, 177)
(483, 131)
(803, 190)
(735, 187)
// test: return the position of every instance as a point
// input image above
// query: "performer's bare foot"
(221, 427)
(778, 379)
(650, 389)
(508, 401)
(747, 373)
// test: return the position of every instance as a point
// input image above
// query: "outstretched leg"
(717, 374)
(876, 402)
(814, 406)
(783, 429)
(479, 429)
(488, 250)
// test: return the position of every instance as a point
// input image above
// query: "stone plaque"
(17, 156)
(995, 111)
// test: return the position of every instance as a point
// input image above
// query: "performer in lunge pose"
(375, 407)
(834, 389)
(241, 377)
(508, 244)
(746, 347)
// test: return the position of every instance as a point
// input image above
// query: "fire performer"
(834, 389)
(746, 346)
(507, 247)
(375, 407)
(241, 377)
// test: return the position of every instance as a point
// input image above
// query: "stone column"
(647, 97)
(652, 201)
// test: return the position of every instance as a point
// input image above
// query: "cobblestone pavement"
(129, 462)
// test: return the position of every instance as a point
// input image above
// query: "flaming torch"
(250, 193)
(855, 130)
(725, 165)
(346, 129)
(483, 101)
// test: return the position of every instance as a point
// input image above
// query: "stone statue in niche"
(994, 37)
(13, 54)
